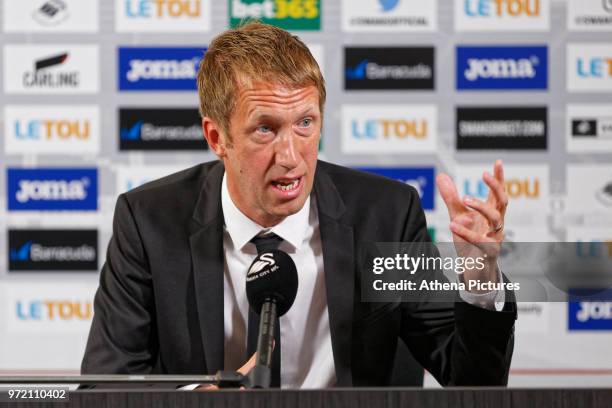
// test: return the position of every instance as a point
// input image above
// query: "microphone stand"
(260, 375)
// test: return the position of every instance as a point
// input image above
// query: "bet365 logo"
(287, 14)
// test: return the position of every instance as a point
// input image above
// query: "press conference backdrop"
(99, 97)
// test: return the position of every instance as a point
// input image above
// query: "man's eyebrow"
(258, 115)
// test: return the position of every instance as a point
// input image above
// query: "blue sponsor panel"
(159, 68)
(421, 178)
(590, 314)
(504, 67)
(52, 189)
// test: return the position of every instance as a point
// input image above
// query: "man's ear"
(214, 137)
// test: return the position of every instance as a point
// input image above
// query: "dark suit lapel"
(338, 262)
(206, 241)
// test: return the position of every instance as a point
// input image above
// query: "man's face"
(270, 163)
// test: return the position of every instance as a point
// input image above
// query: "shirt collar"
(242, 229)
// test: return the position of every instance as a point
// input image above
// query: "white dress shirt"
(306, 350)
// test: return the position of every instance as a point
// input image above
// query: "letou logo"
(50, 308)
(389, 15)
(159, 68)
(160, 129)
(502, 15)
(589, 67)
(50, 16)
(421, 178)
(527, 187)
(389, 68)
(131, 177)
(51, 69)
(53, 250)
(589, 15)
(53, 129)
(52, 189)
(591, 314)
(287, 14)
(589, 128)
(503, 67)
(389, 129)
(162, 15)
(512, 128)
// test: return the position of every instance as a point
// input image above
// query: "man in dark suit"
(171, 296)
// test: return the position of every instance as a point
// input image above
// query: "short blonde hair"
(253, 52)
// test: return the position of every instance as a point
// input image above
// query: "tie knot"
(266, 242)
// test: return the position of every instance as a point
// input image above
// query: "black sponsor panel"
(389, 68)
(584, 127)
(53, 250)
(502, 128)
(160, 129)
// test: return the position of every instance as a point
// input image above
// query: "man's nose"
(287, 154)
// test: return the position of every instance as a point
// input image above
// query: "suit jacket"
(159, 307)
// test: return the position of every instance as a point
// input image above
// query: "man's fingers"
(497, 194)
(492, 215)
(244, 370)
(474, 238)
(449, 194)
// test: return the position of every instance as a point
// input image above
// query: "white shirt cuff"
(189, 387)
(494, 300)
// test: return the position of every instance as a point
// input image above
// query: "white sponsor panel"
(589, 15)
(130, 177)
(52, 308)
(527, 187)
(50, 16)
(502, 15)
(589, 234)
(589, 128)
(318, 54)
(162, 15)
(389, 129)
(51, 69)
(52, 129)
(534, 317)
(389, 15)
(589, 67)
(589, 193)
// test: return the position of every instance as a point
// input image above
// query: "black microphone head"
(272, 274)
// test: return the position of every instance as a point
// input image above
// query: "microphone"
(271, 286)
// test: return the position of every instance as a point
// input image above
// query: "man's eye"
(264, 129)
(306, 122)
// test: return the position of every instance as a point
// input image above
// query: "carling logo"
(51, 69)
(421, 178)
(389, 68)
(52, 189)
(389, 15)
(53, 250)
(158, 68)
(585, 314)
(503, 67)
(589, 67)
(389, 128)
(502, 15)
(52, 129)
(511, 128)
(287, 14)
(162, 15)
(160, 129)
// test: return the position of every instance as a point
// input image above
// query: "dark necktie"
(265, 243)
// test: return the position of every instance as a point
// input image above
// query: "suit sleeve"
(458, 343)
(121, 338)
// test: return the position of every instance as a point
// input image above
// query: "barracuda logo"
(159, 68)
(52, 189)
(507, 67)
(163, 69)
(373, 71)
(53, 250)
